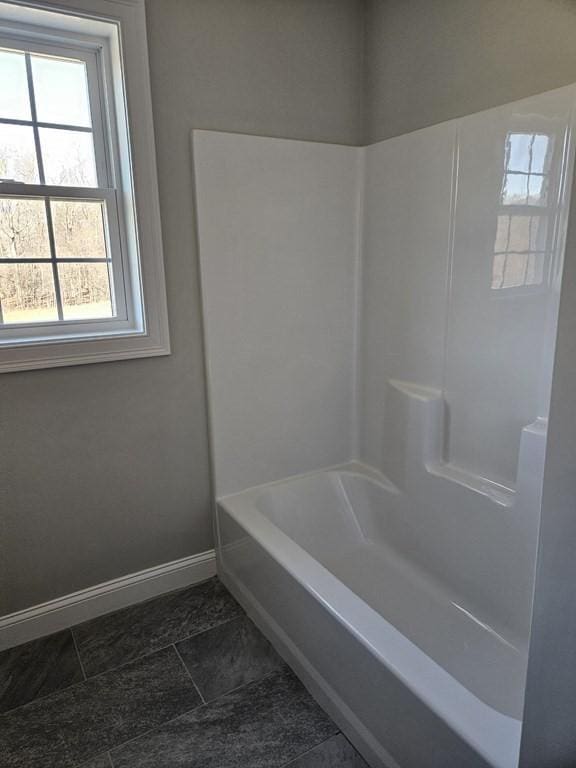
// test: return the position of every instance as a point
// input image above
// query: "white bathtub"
(325, 564)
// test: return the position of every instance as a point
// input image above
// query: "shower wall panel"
(278, 245)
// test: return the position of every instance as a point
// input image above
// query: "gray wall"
(104, 468)
(432, 60)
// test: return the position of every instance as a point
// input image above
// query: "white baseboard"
(40, 620)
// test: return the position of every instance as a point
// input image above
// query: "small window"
(527, 169)
(522, 246)
(71, 257)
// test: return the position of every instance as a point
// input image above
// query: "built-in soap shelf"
(414, 440)
(499, 494)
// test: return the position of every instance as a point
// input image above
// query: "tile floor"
(182, 681)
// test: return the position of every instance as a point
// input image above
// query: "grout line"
(307, 751)
(161, 648)
(243, 685)
(154, 728)
(216, 626)
(7, 712)
(198, 691)
(74, 640)
(58, 691)
(88, 678)
(158, 725)
(188, 711)
(144, 733)
(207, 704)
(83, 682)
(90, 760)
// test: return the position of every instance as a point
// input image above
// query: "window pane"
(515, 270)
(68, 158)
(18, 154)
(502, 234)
(539, 233)
(61, 91)
(519, 233)
(540, 153)
(515, 189)
(528, 233)
(536, 190)
(14, 100)
(519, 151)
(498, 265)
(27, 293)
(85, 291)
(23, 229)
(535, 269)
(78, 229)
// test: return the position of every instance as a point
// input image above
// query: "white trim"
(64, 612)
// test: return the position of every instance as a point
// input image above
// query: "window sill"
(60, 353)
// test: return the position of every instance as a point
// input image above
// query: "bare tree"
(78, 233)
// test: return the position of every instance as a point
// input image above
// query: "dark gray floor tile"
(337, 752)
(228, 656)
(262, 725)
(72, 726)
(117, 638)
(103, 761)
(38, 668)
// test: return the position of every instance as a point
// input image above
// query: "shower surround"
(380, 328)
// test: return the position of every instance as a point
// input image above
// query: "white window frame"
(114, 31)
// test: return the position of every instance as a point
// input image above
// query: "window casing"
(105, 302)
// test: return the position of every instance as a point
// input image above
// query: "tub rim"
(493, 734)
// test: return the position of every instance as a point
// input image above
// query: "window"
(527, 169)
(81, 274)
(522, 245)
